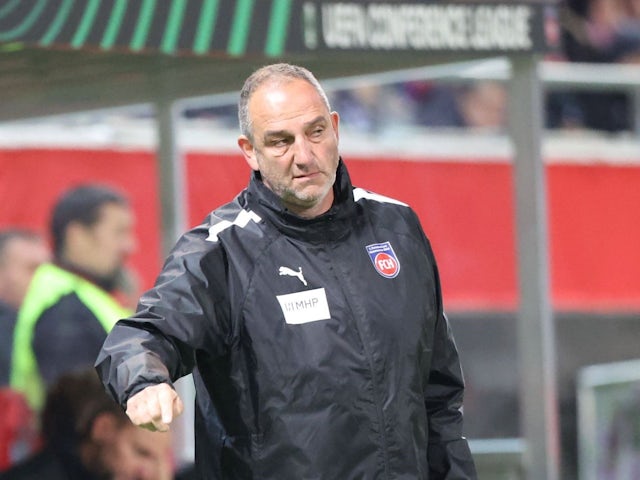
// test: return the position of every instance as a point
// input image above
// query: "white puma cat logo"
(293, 273)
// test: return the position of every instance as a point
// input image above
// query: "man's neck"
(105, 283)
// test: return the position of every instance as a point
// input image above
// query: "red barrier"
(466, 208)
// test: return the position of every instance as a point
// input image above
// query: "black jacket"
(67, 338)
(320, 346)
(7, 324)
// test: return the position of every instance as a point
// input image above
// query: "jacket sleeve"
(448, 454)
(183, 313)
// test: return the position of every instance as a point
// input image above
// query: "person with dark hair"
(69, 307)
(21, 253)
(308, 310)
(87, 436)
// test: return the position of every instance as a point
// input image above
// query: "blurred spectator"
(88, 436)
(433, 105)
(69, 306)
(481, 105)
(602, 30)
(597, 31)
(372, 108)
(21, 252)
(226, 116)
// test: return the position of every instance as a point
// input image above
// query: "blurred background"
(438, 140)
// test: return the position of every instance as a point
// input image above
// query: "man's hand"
(155, 407)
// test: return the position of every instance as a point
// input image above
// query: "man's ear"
(104, 427)
(248, 151)
(335, 121)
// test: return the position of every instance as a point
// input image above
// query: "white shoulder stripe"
(243, 218)
(359, 193)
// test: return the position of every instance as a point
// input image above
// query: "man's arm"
(448, 454)
(156, 346)
(134, 365)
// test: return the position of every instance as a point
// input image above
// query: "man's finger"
(165, 402)
(178, 406)
(154, 407)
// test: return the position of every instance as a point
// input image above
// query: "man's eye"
(317, 132)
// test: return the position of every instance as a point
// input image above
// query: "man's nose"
(303, 152)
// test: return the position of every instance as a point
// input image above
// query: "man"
(87, 436)
(310, 313)
(21, 252)
(69, 307)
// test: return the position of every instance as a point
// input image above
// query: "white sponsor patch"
(304, 307)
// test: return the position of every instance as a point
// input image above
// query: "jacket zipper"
(369, 355)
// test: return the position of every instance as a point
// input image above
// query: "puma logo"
(293, 273)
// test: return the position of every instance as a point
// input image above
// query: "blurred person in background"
(373, 109)
(70, 306)
(597, 31)
(602, 31)
(87, 436)
(483, 105)
(479, 106)
(21, 253)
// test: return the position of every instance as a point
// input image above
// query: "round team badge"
(384, 259)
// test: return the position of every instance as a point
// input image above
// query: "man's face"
(295, 145)
(102, 248)
(19, 261)
(138, 454)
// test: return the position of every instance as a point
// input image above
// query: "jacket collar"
(331, 225)
(105, 283)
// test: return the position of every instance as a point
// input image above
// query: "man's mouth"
(307, 175)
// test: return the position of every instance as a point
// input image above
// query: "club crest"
(384, 259)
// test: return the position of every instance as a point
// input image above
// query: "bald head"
(276, 73)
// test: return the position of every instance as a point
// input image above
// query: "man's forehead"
(279, 91)
(271, 108)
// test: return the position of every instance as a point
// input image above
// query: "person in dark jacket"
(21, 253)
(309, 312)
(70, 306)
(87, 436)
